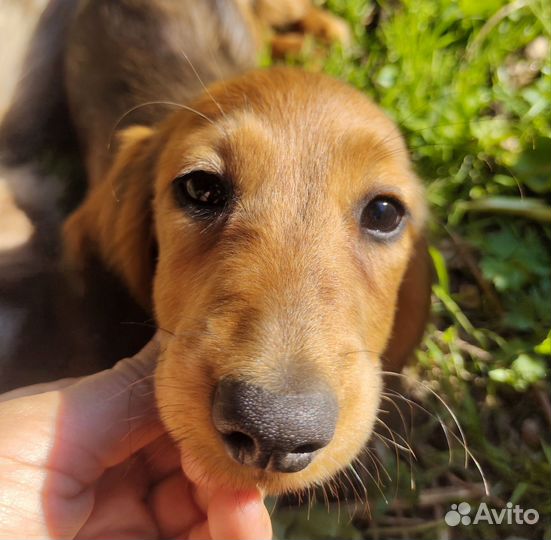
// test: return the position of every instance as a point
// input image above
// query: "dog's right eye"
(206, 194)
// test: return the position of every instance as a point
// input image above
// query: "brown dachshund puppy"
(270, 220)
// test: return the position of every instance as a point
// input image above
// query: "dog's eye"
(382, 216)
(205, 192)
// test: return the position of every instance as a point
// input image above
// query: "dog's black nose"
(278, 432)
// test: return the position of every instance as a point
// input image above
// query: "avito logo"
(460, 514)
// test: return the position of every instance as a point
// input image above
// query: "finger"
(239, 515)
(119, 508)
(40, 388)
(231, 514)
(170, 499)
(106, 417)
(174, 507)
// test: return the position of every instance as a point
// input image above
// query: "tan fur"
(289, 288)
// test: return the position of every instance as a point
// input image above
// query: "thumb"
(108, 416)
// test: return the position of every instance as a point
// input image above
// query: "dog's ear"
(114, 223)
(412, 310)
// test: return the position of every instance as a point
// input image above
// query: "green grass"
(473, 99)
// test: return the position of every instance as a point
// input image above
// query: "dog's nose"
(278, 432)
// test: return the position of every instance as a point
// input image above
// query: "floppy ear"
(412, 311)
(114, 223)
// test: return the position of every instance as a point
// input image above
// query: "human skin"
(88, 458)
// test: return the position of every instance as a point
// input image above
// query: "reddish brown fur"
(289, 289)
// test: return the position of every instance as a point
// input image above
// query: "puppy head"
(286, 215)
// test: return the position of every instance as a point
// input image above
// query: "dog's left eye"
(202, 191)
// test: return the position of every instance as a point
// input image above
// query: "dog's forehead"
(309, 145)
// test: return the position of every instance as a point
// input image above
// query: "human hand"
(88, 458)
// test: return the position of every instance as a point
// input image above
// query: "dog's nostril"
(240, 445)
(239, 440)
